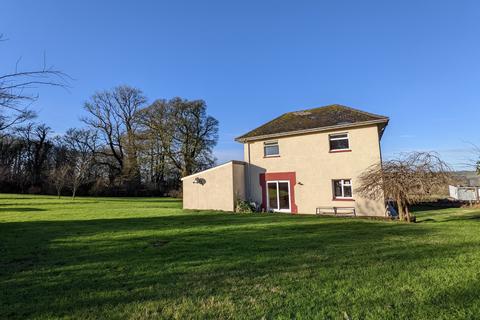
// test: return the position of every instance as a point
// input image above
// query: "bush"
(244, 207)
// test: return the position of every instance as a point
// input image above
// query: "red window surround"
(275, 176)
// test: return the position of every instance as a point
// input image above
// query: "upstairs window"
(270, 149)
(339, 142)
(342, 189)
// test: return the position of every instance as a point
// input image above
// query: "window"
(342, 189)
(271, 149)
(339, 142)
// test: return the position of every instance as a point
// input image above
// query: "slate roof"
(316, 119)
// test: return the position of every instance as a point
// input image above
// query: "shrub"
(244, 207)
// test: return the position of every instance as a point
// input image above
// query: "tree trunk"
(74, 190)
(401, 213)
(59, 191)
(407, 214)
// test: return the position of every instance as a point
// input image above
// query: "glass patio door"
(278, 196)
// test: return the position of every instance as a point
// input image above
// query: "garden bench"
(337, 211)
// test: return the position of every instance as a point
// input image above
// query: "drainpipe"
(380, 134)
(248, 193)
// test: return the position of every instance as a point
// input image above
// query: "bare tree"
(79, 173)
(82, 145)
(11, 171)
(37, 147)
(114, 115)
(186, 132)
(476, 163)
(473, 160)
(58, 177)
(406, 180)
(16, 91)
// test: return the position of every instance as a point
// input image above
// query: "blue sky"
(417, 62)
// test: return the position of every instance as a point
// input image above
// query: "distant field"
(145, 258)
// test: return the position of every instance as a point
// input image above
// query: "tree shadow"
(50, 203)
(20, 210)
(442, 216)
(474, 217)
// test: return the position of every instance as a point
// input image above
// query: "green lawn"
(112, 258)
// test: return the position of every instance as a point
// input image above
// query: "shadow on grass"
(448, 215)
(70, 202)
(54, 201)
(49, 203)
(474, 217)
(20, 210)
(55, 268)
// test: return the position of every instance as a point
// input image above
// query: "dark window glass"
(272, 195)
(347, 191)
(283, 195)
(338, 188)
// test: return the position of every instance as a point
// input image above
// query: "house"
(301, 162)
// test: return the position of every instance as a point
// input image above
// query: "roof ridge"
(346, 107)
(364, 112)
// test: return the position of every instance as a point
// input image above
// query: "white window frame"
(332, 138)
(269, 143)
(342, 185)
(289, 210)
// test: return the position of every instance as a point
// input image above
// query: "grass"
(111, 258)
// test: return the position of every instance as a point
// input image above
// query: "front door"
(278, 196)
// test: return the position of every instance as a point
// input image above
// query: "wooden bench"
(337, 211)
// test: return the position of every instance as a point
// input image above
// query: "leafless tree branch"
(16, 91)
(407, 179)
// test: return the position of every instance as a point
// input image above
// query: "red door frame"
(275, 176)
